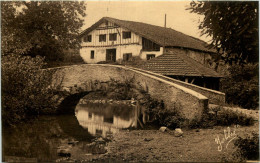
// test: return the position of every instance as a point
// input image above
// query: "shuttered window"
(89, 38)
(112, 37)
(92, 54)
(149, 45)
(126, 35)
(102, 38)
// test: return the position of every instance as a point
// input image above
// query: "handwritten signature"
(228, 136)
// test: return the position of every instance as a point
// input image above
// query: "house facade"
(109, 42)
(112, 39)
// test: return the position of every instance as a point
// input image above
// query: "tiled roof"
(160, 35)
(178, 65)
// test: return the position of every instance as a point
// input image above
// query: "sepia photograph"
(129, 81)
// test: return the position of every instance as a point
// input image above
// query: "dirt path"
(193, 146)
(156, 146)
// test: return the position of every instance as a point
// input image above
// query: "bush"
(134, 61)
(241, 86)
(229, 117)
(25, 87)
(69, 57)
(120, 90)
(170, 118)
(221, 117)
(205, 122)
(248, 148)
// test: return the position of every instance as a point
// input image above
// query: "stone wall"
(215, 97)
(90, 77)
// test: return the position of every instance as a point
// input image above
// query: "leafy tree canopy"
(43, 28)
(233, 27)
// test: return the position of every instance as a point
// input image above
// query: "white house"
(107, 40)
(111, 39)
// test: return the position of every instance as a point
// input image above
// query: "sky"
(151, 12)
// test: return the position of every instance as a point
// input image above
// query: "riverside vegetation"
(25, 88)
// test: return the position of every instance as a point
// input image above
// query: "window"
(149, 45)
(102, 38)
(127, 56)
(150, 56)
(89, 38)
(112, 37)
(126, 35)
(92, 54)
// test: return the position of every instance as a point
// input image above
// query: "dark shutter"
(89, 39)
(125, 57)
(92, 54)
(126, 35)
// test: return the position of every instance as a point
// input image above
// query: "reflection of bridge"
(98, 124)
(191, 99)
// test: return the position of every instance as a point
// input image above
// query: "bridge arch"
(80, 79)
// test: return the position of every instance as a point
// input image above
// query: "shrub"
(25, 87)
(120, 90)
(69, 57)
(229, 117)
(221, 117)
(134, 61)
(248, 148)
(205, 122)
(241, 86)
(170, 118)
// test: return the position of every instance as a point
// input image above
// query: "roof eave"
(86, 31)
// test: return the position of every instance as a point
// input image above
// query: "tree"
(26, 88)
(233, 27)
(42, 28)
(241, 86)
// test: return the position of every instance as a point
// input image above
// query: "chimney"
(164, 38)
(165, 21)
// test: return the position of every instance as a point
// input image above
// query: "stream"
(52, 138)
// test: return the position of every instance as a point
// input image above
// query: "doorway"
(111, 55)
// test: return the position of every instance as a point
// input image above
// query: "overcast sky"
(151, 12)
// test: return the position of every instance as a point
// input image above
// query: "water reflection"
(48, 138)
(104, 120)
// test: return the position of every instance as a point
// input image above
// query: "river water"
(50, 138)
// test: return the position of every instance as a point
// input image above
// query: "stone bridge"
(79, 79)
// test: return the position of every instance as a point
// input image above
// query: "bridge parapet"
(192, 104)
(215, 97)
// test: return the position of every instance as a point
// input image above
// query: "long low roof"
(179, 65)
(160, 35)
